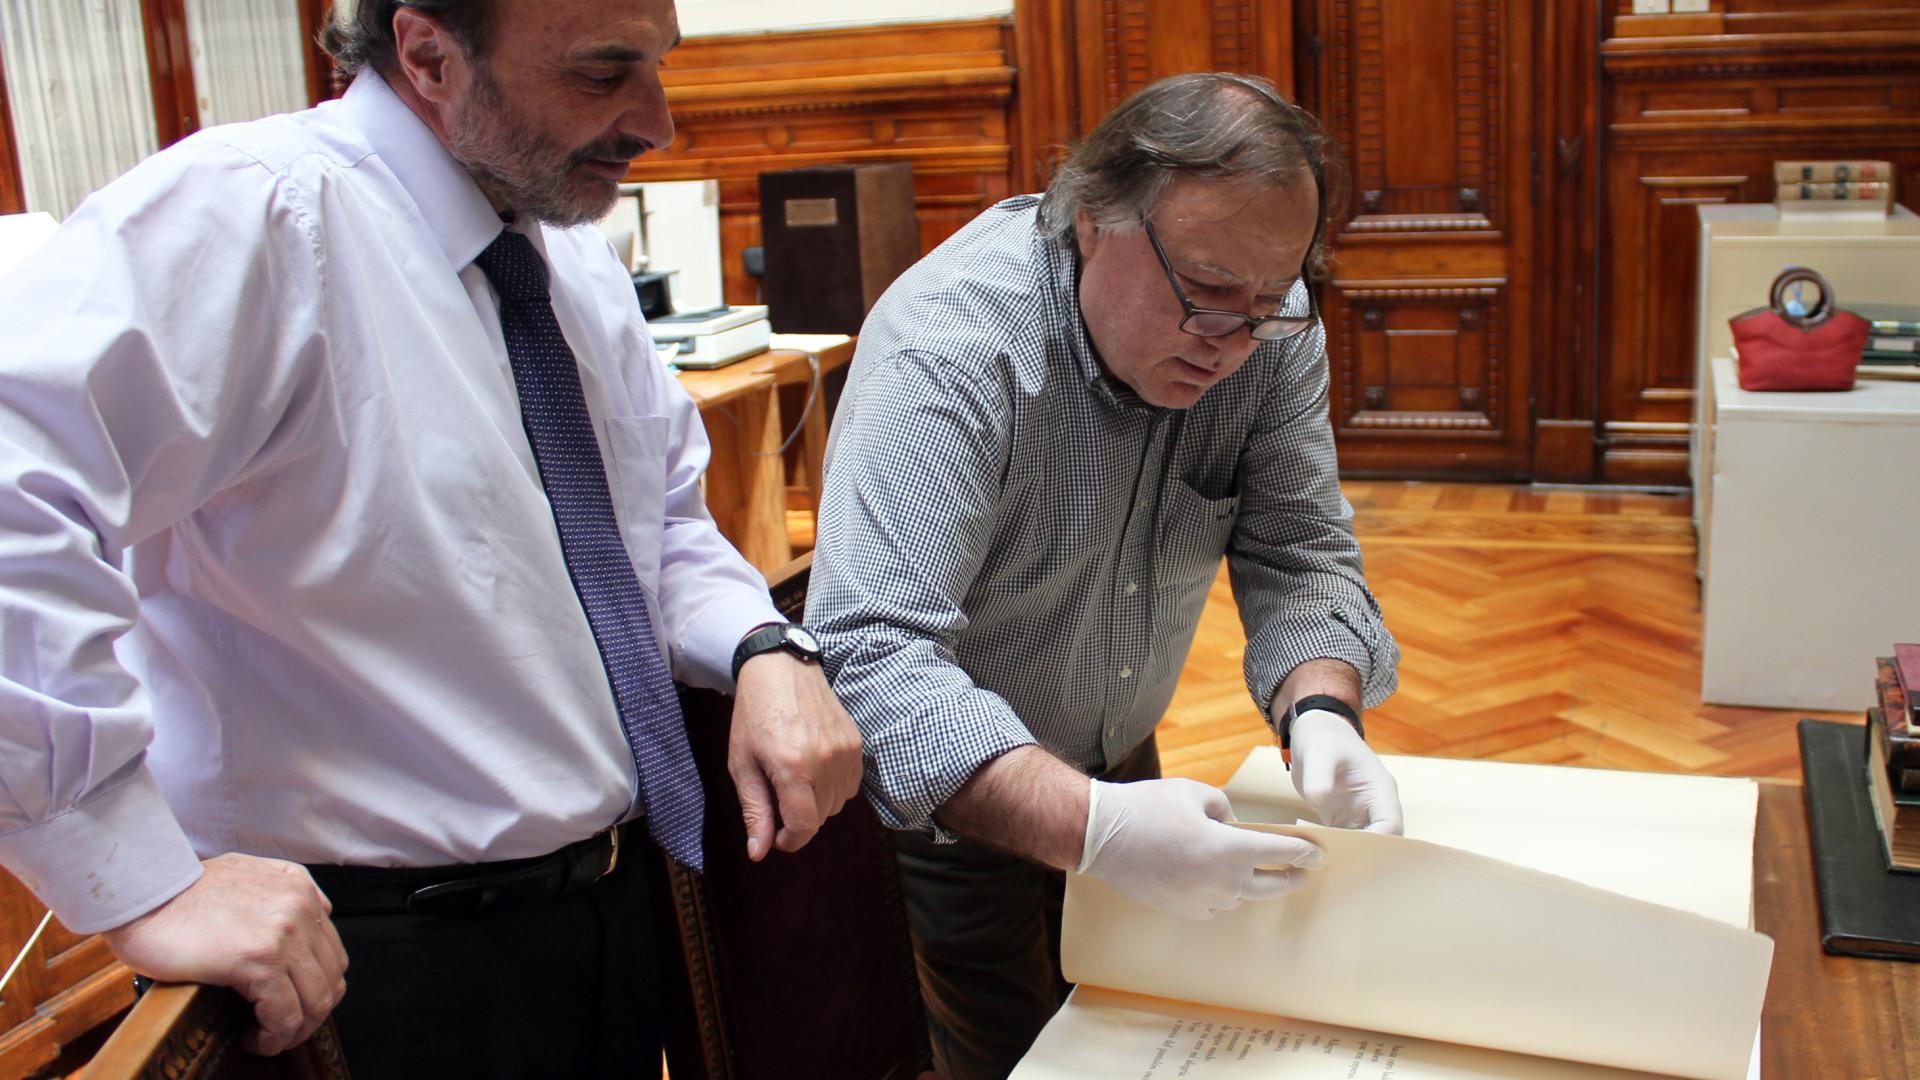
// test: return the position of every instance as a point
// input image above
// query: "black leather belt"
(464, 890)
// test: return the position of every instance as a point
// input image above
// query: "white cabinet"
(1809, 511)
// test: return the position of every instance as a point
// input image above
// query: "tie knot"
(515, 269)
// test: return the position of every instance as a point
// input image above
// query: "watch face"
(799, 636)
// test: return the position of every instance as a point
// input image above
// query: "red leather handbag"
(1783, 350)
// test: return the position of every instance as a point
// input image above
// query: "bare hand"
(792, 742)
(257, 925)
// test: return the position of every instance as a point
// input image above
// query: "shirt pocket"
(1194, 531)
(637, 446)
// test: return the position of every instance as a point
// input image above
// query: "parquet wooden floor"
(1538, 626)
(1559, 627)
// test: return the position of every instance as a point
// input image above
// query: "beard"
(524, 167)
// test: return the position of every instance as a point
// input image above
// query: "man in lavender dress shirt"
(280, 584)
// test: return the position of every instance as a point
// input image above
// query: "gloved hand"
(1341, 777)
(1164, 843)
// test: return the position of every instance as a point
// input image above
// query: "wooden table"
(1825, 1016)
(749, 408)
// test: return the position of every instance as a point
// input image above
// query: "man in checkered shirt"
(1055, 427)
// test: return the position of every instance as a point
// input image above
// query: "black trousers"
(986, 936)
(564, 987)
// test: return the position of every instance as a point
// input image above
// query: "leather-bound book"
(1865, 909)
(1896, 811)
(1900, 737)
(1906, 670)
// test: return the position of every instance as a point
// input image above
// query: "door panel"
(1429, 304)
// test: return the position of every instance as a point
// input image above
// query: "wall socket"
(1689, 6)
(1650, 7)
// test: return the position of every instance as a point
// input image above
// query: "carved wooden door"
(1429, 312)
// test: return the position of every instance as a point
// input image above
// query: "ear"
(429, 59)
(1085, 233)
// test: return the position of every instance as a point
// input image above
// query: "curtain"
(81, 97)
(248, 58)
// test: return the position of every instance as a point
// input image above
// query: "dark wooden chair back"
(797, 966)
(193, 1033)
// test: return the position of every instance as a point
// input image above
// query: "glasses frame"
(1271, 327)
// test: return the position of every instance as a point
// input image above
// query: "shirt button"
(1132, 588)
(1126, 673)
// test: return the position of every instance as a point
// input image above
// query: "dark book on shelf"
(1865, 909)
(1890, 320)
(1901, 742)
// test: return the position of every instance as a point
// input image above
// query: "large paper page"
(1109, 1034)
(1437, 943)
(1682, 841)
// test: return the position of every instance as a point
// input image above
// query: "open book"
(1536, 922)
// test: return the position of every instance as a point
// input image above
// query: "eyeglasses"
(1215, 322)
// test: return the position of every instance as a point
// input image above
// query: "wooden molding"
(1762, 53)
(937, 95)
(1669, 25)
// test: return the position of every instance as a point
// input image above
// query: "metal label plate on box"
(804, 213)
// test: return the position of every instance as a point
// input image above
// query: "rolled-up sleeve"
(918, 455)
(1295, 565)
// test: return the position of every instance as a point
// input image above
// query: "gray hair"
(1201, 124)
(360, 33)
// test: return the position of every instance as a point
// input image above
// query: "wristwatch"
(1309, 704)
(770, 636)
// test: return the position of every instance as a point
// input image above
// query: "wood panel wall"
(1079, 58)
(937, 95)
(1696, 110)
(1514, 293)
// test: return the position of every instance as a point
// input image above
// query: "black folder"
(1865, 909)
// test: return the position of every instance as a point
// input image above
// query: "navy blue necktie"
(554, 411)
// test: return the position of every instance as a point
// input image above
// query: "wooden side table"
(1825, 1016)
(749, 408)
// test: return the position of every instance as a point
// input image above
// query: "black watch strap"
(769, 636)
(1310, 703)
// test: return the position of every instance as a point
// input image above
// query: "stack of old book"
(1863, 817)
(1893, 756)
(1894, 347)
(1833, 188)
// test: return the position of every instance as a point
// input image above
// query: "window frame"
(176, 107)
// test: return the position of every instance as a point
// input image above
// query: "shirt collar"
(452, 204)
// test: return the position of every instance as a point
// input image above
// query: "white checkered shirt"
(1013, 548)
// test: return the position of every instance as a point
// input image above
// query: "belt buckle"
(613, 858)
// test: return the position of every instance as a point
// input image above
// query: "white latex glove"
(1165, 843)
(1341, 777)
